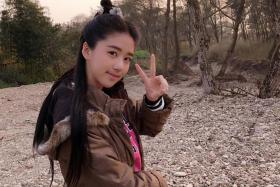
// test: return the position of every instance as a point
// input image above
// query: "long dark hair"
(95, 30)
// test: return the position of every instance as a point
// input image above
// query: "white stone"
(180, 174)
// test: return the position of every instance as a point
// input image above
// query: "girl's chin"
(110, 84)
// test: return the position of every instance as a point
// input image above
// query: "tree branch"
(210, 15)
(220, 10)
(245, 93)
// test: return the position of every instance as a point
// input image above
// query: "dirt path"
(208, 141)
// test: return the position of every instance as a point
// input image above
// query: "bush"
(6, 85)
(14, 78)
(141, 54)
(18, 74)
(141, 57)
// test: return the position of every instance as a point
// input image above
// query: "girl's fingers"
(153, 65)
(163, 84)
(141, 73)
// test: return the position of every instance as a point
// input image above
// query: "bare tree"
(178, 66)
(221, 21)
(146, 14)
(239, 7)
(176, 40)
(268, 87)
(189, 33)
(212, 17)
(165, 39)
(206, 70)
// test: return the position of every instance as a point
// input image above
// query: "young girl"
(105, 155)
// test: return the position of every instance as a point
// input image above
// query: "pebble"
(193, 163)
(198, 147)
(180, 174)
(266, 179)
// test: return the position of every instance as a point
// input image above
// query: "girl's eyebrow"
(119, 49)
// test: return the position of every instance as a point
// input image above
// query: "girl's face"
(109, 61)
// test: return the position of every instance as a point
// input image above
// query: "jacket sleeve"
(151, 122)
(106, 170)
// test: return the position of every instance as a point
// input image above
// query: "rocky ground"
(208, 140)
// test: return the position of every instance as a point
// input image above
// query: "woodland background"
(216, 34)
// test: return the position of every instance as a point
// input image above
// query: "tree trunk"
(178, 66)
(176, 40)
(221, 22)
(165, 39)
(214, 25)
(267, 89)
(244, 33)
(206, 70)
(190, 31)
(239, 16)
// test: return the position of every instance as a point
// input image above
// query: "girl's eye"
(113, 53)
(128, 59)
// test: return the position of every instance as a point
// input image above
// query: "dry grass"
(243, 50)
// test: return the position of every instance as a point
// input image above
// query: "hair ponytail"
(78, 122)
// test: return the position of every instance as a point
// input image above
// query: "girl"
(105, 155)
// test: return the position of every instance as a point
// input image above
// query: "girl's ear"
(86, 50)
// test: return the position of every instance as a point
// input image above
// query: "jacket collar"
(114, 108)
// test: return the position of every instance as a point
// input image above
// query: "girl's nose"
(119, 64)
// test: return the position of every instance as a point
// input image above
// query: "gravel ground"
(208, 140)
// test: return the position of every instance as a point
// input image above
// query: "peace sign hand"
(155, 86)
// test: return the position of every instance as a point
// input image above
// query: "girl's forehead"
(121, 40)
(118, 36)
